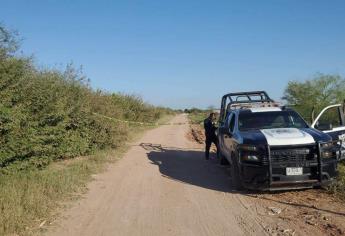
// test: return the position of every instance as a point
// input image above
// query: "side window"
(232, 123)
(331, 116)
(224, 110)
(228, 119)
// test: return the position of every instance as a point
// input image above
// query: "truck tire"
(235, 174)
(222, 160)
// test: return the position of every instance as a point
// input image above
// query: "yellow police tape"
(139, 123)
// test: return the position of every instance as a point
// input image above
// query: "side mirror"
(324, 126)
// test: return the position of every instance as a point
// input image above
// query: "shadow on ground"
(189, 166)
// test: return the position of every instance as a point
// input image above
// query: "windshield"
(270, 120)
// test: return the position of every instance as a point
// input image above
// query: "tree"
(9, 42)
(317, 93)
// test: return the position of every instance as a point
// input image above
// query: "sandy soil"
(164, 186)
(305, 212)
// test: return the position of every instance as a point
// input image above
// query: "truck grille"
(302, 156)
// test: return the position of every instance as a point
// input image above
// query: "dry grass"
(338, 188)
(198, 118)
(30, 199)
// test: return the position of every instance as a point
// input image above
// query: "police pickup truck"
(270, 147)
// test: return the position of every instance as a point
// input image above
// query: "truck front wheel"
(235, 174)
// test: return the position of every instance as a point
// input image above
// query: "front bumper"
(257, 177)
(271, 175)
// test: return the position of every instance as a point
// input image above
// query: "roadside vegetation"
(55, 131)
(338, 188)
(317, 93)
(197, 116)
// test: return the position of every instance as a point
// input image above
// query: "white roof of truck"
(264, 109)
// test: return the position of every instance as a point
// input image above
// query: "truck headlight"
(249, 157)
(327, 145)
(327, 154)
(249, 153)
(328, 150)
(249, 148)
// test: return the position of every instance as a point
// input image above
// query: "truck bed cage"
(244, 100)
(250, 97)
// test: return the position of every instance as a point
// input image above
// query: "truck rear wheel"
(235, 174)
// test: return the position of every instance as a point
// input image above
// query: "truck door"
(223, 133)
(228, 137)
(331, 121)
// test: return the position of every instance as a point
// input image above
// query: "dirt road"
(163, 186)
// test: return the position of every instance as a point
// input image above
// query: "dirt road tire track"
(163, 186)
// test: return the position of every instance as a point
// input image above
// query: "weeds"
(27, 198)
(47, 118)
(198, 116)
(338, 188)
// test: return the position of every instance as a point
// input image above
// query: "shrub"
(47, 115)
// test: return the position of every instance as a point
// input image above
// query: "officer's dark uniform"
(210, 133)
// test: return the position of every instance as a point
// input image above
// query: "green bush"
(197, 116)
(47, 115)
(316, 93)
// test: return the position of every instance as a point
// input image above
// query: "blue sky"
(184, 53)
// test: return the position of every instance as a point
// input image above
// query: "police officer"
(210, 133)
